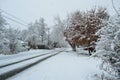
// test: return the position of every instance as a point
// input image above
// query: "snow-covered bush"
(108, 49)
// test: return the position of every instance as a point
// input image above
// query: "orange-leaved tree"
(82, 26)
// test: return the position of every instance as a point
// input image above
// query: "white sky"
(30, 10)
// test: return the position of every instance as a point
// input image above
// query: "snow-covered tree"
(57, 34)
(2, 22)
(82, 27)
(108, 49)
(41, 27)
(31, 36)
(12, 37)
(10, 42)
(23, 34)
(2, 33)
(2, 26)
(36, 34)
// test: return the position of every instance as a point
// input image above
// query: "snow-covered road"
(12, 69)
(64, 66)
(6, 59)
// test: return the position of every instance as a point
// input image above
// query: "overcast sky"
(30, 10)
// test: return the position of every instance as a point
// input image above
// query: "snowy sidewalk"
(65, 66)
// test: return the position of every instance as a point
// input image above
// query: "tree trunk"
(73, 46)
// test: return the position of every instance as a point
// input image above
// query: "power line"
(14, 20)
(13, 16)
(17, 19)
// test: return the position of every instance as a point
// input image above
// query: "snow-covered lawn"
(64, 66)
